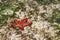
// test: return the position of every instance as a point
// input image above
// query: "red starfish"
(21, 23)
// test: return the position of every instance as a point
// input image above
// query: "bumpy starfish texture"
(21, 23)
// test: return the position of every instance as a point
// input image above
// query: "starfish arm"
(13, 25)
(15, 20)
(24, 20)
(28, 23)
(22, 27)
(18, 22)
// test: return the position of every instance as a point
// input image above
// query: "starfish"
(21, 23)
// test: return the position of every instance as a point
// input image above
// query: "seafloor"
(44, 14)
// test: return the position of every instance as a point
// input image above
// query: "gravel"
(40, 29)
